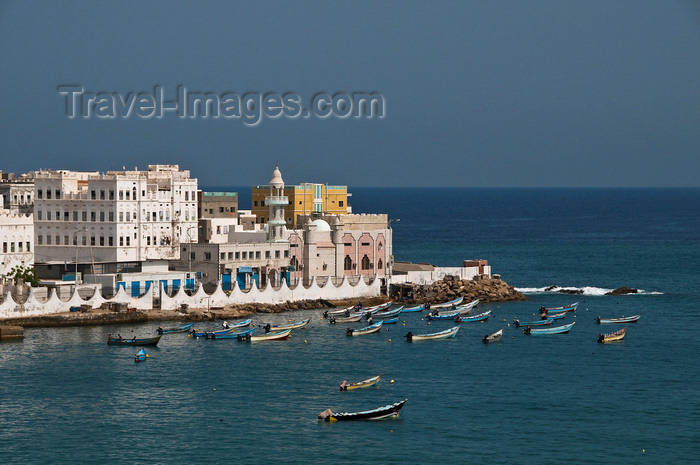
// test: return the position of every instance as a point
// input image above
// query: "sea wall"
(439, 273)
(485, 289)
(344, 290)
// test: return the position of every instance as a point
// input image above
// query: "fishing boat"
(298, 324)
(480, 317)
(231, 335)
(388, 411)
(210, 334)
(565, 309)
(344, 386)
(141, 356)
(454, 302)
(373, 328)
(495, 337)
(556, 316)
(180, 329)
(342, 311)
(452, 332)
(466, 308)
(446, 316)
(389, 313)
(353, 318)
(277, 335)
(376, 308)
(417, 308)
(612, 337)
(241, 324)
(546, 322)
(557, 330)
(391, 321)
(624, 319)
(134, 341)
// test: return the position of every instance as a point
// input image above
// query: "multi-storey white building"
(16, 239)
(113, 221)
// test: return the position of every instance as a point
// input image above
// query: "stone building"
(16, 239)
(303, 199)
(112, 222)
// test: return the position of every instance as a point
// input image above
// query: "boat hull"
(617, 336)
(495, 337)
(446, 334)
(360, 384)
(150, 341)
(388, 411)
(557, 330)
(628, 319)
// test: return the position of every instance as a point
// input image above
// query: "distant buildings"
(16, 223)
(304, 199)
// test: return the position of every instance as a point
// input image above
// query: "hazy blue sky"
(487, 93)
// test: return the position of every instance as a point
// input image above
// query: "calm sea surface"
(66, 397)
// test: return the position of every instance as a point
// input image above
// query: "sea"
(67, 397)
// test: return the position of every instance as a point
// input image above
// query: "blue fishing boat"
(366, 330)
(391, 321)
(180, 329)
(556, 316)
(480, 317)
(230, 335)
(387, 314)
(141, 356)
(197, 333)
(556, 330)
(545, 322)
(240, 324)
(446, 316)
(119, 341)
(418, 308)
(451, 303)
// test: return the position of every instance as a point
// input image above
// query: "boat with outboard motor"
(373, 328)
(612, 337)
(494, 337)
(557, 330)
(345, 386)
(388, 411)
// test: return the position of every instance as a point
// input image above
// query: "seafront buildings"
(16, 223)
(303, 199)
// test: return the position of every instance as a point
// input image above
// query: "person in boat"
(427, 306)
(347, 312)
(226, 325)
(332, 320)
(343, 385)
(119, 336)
(358, 306)
(436, 312)
(453, 307)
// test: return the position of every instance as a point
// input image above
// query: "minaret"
(276, 225)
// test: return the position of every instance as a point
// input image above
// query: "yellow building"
(303, 199)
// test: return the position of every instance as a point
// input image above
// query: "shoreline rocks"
(485, 289)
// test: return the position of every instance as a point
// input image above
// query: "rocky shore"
(485, 289)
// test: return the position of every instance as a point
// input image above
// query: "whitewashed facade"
(16, 240)
(112, 218)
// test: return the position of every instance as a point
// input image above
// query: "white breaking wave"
(587, 290)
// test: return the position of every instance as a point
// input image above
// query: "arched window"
(348, 263)
(366, 265)
(380, 264)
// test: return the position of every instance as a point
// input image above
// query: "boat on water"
(562, 308)
(388, 314)
(467, 308)
(274, 336)
(624, 319)
(134, 341)
(612, 337)
(494, 337)
(388, 411)
(240, 324)
(391, 321)
(450, 303)
(373, 328)
(417, 308)
(180, 329)
(555, 316)
(345, 386)
(342, 311)
(376, 308)
(298, 324)
(556, 330)
(210, 334)
(231, 335)
(448, 333)
(480, 317)
(445, 316)
(353, 318)
(141, 356)
(546, 322)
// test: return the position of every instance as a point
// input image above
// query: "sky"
(475, 93)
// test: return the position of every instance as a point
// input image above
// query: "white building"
(115, 221)
(16, 239)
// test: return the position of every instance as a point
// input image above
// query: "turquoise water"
(67, 397)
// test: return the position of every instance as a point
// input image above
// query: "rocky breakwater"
(485, 289)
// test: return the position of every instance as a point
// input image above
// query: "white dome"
(321, 225)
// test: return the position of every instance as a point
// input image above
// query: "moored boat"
(555, 316)
(612, 337)
(494, 337)
(274, 336)
(446, 316)
(240, 324)
(417, 308)
(391, 321)
(624, 319)
(557, 330)
(467, 308)
(141, 356)
(373, 328)
(570, 307)
(298, 324)
(545, 322)
(480, 317)
(196, 333)
(120, 341)
(448, 333)
(231, 335)
(345, 386)
(348, 319)
(180, 329)
(450, 303)
(388, 314)
(388, 411)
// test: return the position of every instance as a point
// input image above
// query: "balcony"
(275, 200)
